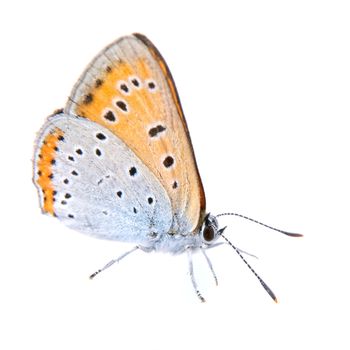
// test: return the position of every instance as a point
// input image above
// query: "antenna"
(262, 224)
(266, 287)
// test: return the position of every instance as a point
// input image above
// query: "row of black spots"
(89, 97)
(66, 196)
(66, 180)
(46, 192)
(167, 162)
(53, 160)
(98, 152)
(136, 82)
(54, 193)
(150, 83)
(150, 200)
(155, 131)
(78, 151)
(50, 176)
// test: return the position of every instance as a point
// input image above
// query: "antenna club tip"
(296, 235)
(276, 301)
(92, 276)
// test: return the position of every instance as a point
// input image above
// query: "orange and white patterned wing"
(129, 90)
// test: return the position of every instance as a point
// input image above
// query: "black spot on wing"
(156, 130)
(168, 161)
(88, 99)
(132, 171)
(110, 116)
(101, 136)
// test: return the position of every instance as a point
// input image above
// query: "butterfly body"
(117, 162)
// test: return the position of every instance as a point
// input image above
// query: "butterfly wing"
(129, 90)
(95, 184)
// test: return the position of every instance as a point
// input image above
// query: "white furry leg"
(210, 265)
(113, 261)
(190, 268)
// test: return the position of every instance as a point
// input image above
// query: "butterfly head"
(210, 231)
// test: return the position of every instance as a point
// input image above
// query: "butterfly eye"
(208, 233)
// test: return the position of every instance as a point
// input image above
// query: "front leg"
(190, 267)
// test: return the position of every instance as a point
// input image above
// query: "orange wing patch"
(129, 90)
(131, 106)
(45, 162)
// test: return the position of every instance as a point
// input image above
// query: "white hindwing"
(101, 186)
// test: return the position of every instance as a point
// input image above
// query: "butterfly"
(117, 162)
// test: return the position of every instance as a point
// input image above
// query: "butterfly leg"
(210, 265)
(113, 261)
(194, 283)
(213, 245)
(240, 250)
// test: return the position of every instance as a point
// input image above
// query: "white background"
(265, 86)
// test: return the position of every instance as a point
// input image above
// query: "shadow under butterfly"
(117, 162)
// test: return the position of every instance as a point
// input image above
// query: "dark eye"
(208, 233)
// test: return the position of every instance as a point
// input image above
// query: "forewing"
(89, 179)
(129, 90)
